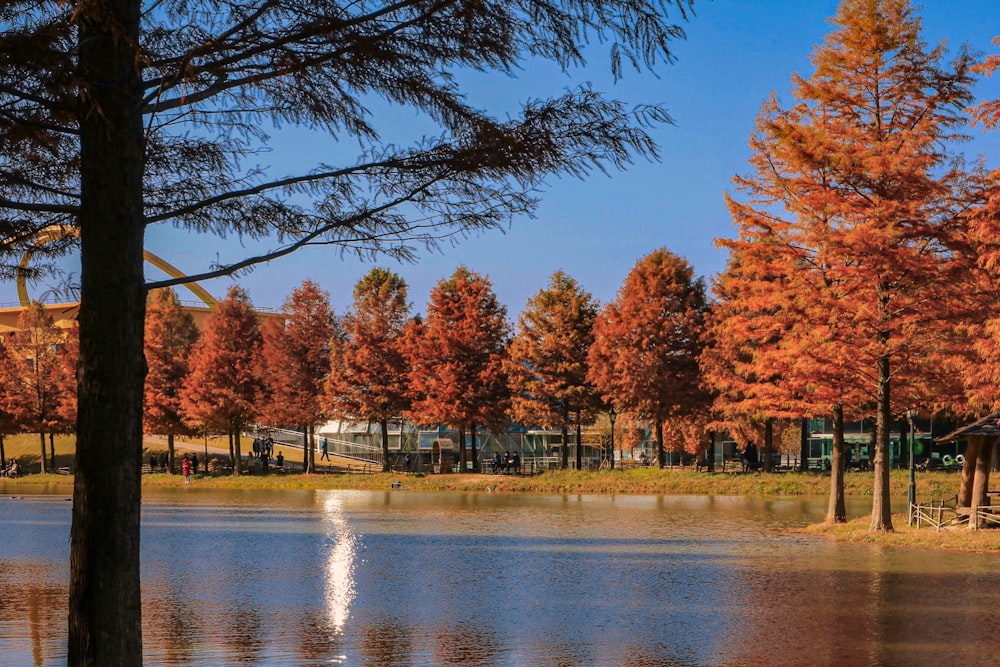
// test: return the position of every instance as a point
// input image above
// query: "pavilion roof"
(987, 426)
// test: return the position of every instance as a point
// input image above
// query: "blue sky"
(736, 53)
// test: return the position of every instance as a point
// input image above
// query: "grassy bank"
(639, 481)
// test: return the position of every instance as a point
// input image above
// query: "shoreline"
(638, 481)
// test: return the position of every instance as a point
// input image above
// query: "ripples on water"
(399, 578)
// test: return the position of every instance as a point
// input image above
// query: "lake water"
(402, 578)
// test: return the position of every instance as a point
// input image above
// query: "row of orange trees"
(461, 364)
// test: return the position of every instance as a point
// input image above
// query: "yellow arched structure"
(57, 232)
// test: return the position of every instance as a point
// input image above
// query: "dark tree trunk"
(305, 451)
(234, 437)
(472, 441)
(836, 511)
(881, 510)
(968, 472)
(710, 452)
(659, 443)
(232, 452)
(3, 454)
(565, 446)
(768, 443)
(804, 445)
(170, 453)
(52, 451)
(579, 443)
(311, 438)
(981, 482)
(105, 610)
(461, 448)
(43, 462)
(385, 444)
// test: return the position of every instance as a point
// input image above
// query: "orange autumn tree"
(224, 383)
(368, 370)
(981, 370)
(170, 335)
(547, 361)
(456, 358)
(35, 375)
(854, 193)
(767, 354)
(648, 340)
(296, 362)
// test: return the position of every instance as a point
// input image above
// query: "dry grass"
(958, 538)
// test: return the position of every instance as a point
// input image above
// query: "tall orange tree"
(224, 384)
(981, 371)
(853, 189)
(9, 369)
(547, 360)
(456, 358)
(648, 340)
(368, 370)
(37, 376)
(296, 362)
(170, 336)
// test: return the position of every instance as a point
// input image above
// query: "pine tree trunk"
(305, 452)
(461, 448)
(234, 437)
(881, 509)
(836, 511)
(310, 437)
(768, 443)
(475, 454)
(385, 445)
(170, 453)
(659, 443)
(579, 443)
(968, 472)
(981, 481)
(804, 445)
(43, 461)
(105, 610)
(565, 446)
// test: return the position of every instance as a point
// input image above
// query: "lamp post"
(612, 415)
(911, 414)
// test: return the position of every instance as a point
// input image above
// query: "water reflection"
(382, 579)
(340, 561)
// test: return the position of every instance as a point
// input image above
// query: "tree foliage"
(224, 381)
(456, 357)
(170, 335)
(547, 359)
(296, 362)
(34, 374)
(368, 369)
(647, 342)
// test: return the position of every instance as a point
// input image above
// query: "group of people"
(263, 447)
(12, 469)
(507, 463)
(162, 463)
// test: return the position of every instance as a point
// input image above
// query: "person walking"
(186, 469)
(324, 447)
